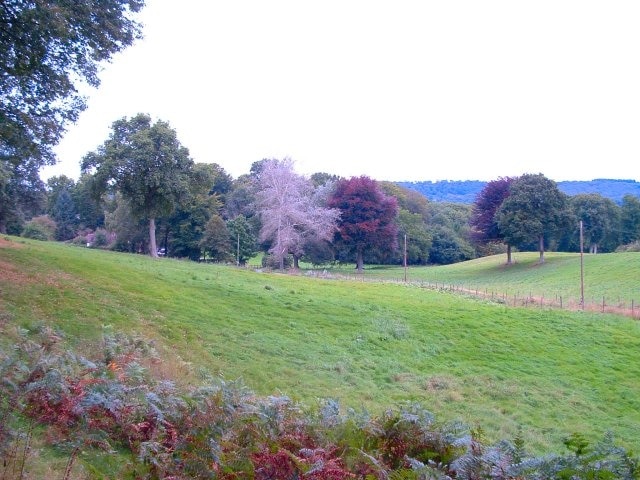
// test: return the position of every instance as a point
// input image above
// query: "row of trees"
(141, 192)
(141, 181)
(518, 211)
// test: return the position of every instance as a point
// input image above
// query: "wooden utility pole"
(581, 267)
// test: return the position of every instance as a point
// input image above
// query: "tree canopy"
(483, 221)
(288, 210)
(46, 48)
(368, 217)
(534, 208)
(146, 163)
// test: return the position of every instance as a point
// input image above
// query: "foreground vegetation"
(510, 373)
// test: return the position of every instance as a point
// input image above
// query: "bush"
(40, 228)
(269, 261)
(630, 247)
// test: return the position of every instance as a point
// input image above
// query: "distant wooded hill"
(465, 191)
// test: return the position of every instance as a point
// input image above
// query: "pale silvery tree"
(290, 212)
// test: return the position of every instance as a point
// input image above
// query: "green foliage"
(540, 372)
(216, 241)
(243, 236)
(145, 163)
(45, 49)
(40, 228)
(534, 209)
(630, 219)
(220, 429)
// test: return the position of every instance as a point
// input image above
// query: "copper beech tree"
(367, 217)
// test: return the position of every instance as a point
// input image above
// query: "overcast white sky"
(396, 90)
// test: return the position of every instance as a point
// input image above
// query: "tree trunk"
(153, 248)
(359, 261)
(509, 261)
(296, 264)
(594, 248)
(541, 248)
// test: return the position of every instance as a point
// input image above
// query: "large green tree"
(600, 218)
(183, 229)
(146, 163)
(46, 48)
(630, 219)
(22, 194)
(535, 208)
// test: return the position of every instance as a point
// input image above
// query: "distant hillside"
(465, 191)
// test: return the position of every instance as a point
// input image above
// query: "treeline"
(140, 192)
(466, 191)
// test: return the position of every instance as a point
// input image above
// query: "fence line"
(603, 305)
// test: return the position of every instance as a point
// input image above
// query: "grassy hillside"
(613, 276)
(546, 372)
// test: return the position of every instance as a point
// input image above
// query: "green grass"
(613, 276)
(545, 372)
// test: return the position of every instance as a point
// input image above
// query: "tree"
(216, 240)
(483, 221)
(630, 219)
(147, 164)
(412, 221)
(600, 218)
(534, 208)
(22, 194)
(289, 214)
(46, 47)
(89, 208)
(448, 247)
(184, 229)
(65, 215)
(243, 238)
(367, 217)
(419, 240)
(131, 232)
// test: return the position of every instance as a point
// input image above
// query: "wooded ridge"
(465, 191)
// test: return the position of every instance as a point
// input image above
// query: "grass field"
(612, 276)
(546, 373)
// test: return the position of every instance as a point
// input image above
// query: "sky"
(404, 90)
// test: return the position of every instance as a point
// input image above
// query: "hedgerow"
(222, 430)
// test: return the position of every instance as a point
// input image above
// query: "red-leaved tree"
(484, 225)
(368, 217)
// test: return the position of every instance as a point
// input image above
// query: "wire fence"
(619, 306)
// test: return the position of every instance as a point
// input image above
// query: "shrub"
(630, 247)
(269, 261)
(40, 228)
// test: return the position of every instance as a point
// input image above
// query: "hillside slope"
(545, 373)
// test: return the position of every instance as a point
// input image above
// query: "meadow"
(535, 372)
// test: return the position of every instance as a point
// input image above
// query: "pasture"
(540, 373)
